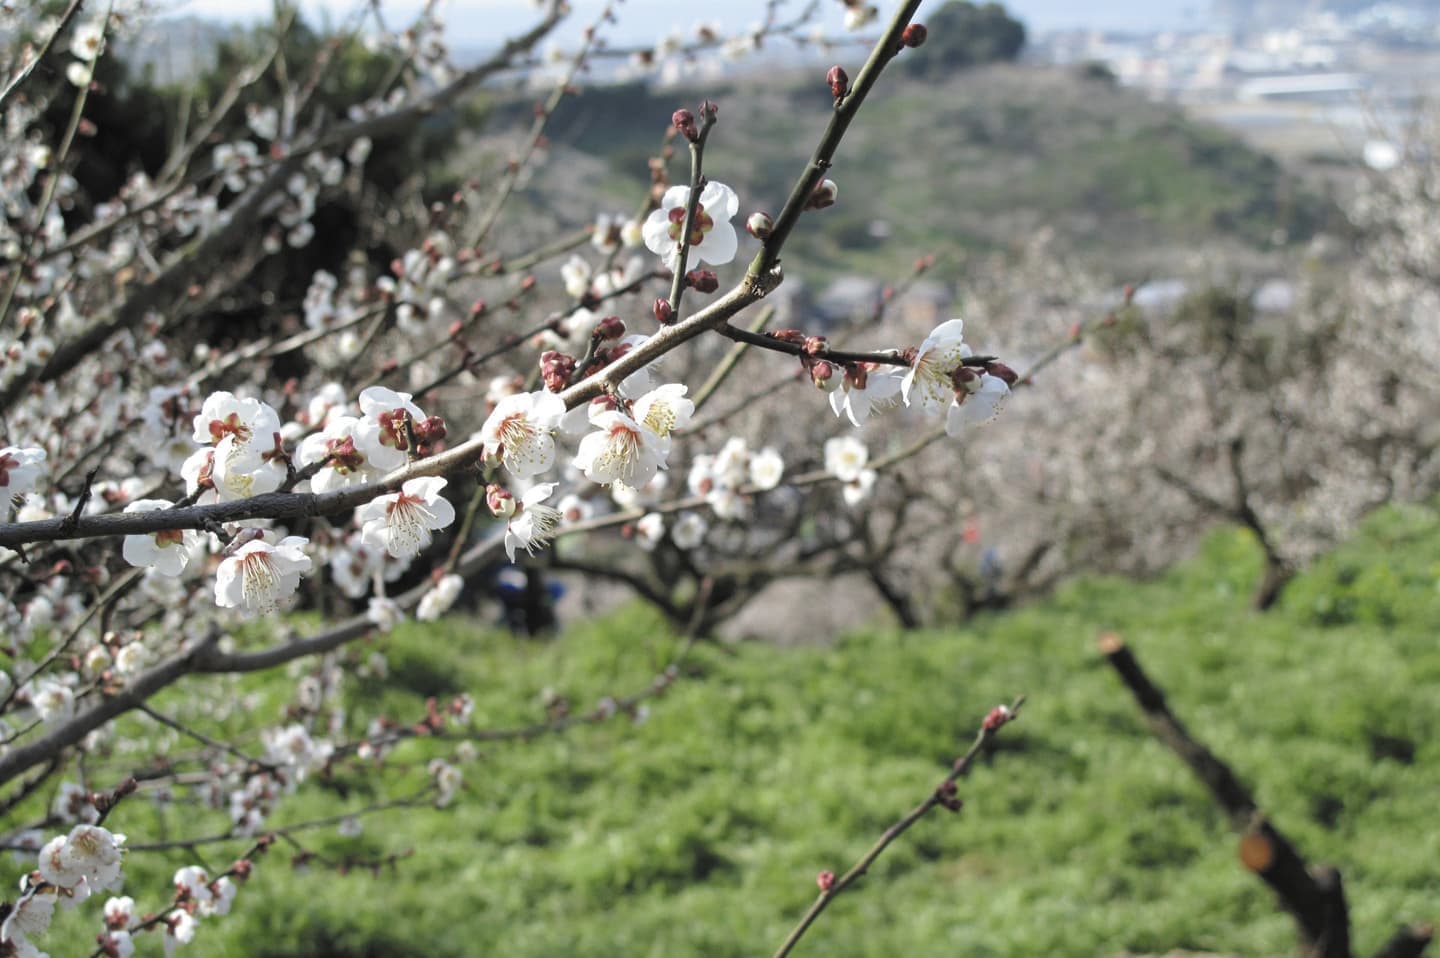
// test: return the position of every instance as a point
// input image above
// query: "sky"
(481, 22)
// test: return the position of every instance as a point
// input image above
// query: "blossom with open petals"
(978, 401)
(663, 410)
(620, 449)
(928, 383)
(520, 432)
(532, 524)
(338, 448)
(89, 854)
(712, 235)
(845, 457)
(19, 471)
(259, 575)
(381, 434)
(401, 522)
(243, 428)
(166, 551)
(864, 388)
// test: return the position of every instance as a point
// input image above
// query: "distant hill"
(977, 163)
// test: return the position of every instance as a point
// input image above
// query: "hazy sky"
(479, 21)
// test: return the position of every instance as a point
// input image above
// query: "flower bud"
(823, 196)
(826, 880)
(430, 430)
(998, 716)
(1002, 371)
(760, 225)
(914, 35)
(822, 374)
(684, 121)
(838, 81)
(556, 368)
(815, 344)
(664, 312)
(965, 380)
(500, 501)
(702, 280)
(611, 327)
(709, 110)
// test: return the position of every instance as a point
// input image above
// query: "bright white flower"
(248, 425)
(576, 276)
(89, 854)
(53, 702)
(448, 780)
(689, 530)
(649, 530)
(294, 748)
(131, 658)
(927, 384)
(19, 471)
(865, 389)
(712, 238)
(979, 405)
(193, 881)
(845, 457)
(401, 522)
(88, 41)
(167, 551)
(520, 432)
(118, 943)
(766, 469)
(440, 598)
(72, 804)
(120, 912)
(258, 576)
(80, 74)
(664, 410)
(384, 613)
(223, 896)
(632, 234)
(381, 434)
(532, 525)
(858, 15)
(30, 918)
(337, 447)
(179, 930)
(858, 490)
(620, 449)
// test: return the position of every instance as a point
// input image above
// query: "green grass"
(700, 831)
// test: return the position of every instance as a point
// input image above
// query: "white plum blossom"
(857, 490)
(120, 912)
(928, 383)
(337, 447)
(620, 449)
(259, 575)
(663, 410)
(401, 523)
(53, 702)
(712, 236)
(532, 525)
(88, 41)
(241, 430)
(864, 388)
(845, 457)
(179, 930)
(19, 471)
(649, 530)
(448, 780)
(978, 402)
(767, 468)
(689, 530)
(131, 658)
(576, 274)
(89, 854)
(167, 551)
(29, 918)
(440, 598)
(520, 432)
(384, 613)
(381, 434)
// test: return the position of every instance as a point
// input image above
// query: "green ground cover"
(700, 830)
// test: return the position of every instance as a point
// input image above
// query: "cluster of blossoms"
(70, 869)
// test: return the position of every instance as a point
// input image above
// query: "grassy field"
(700, 830)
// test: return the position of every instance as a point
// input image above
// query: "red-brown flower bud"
(965, 379)
(702, 280)
(1002, 371)
(709, 110)
(822, 374)
(611, 327)
(556, 368)
(684, 121)
(815, 344)
(794, 336)
(826, 880)
(760, 225)
(664, 312)
(998, 716)
(430, 430)
(838, 81)
(914, 35)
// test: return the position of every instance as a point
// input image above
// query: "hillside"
(978, 163)
(700, 831)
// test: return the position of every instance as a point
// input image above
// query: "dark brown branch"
(1315, 898)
